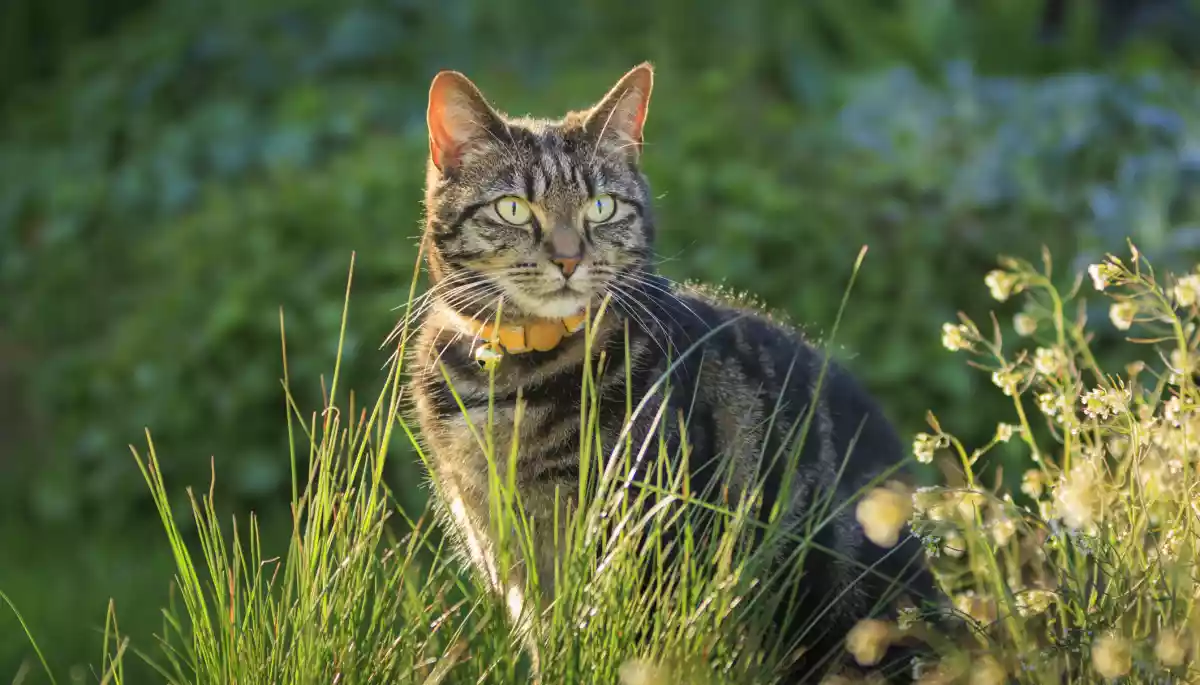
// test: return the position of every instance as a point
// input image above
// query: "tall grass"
(349, 600)
(364, 593)
(1087, 574)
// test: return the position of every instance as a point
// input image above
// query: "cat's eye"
(601, 208)
(514, 210)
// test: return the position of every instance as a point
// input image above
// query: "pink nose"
(567, 264)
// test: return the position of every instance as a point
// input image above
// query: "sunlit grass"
(364, 593)
(1088, 574)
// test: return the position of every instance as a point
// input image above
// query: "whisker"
(462, 304)
(461, 299)
(669, 292)
(457, 336)
(427, 300)
(467, 298)
(623, 299)
(634, 281)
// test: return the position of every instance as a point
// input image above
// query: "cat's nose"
(566, 249)
(566, 264)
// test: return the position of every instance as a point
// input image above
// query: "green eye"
(601, 208)
(514, 210)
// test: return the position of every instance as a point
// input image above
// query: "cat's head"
(549, 215)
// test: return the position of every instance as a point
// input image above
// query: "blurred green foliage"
(178, 182)
(36, 35)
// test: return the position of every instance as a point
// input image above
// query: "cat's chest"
(471, 417)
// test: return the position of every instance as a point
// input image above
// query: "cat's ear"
(620, 116)
(458, 117)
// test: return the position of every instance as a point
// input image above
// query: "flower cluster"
(956, 337)
(1080, 497)
(1001, 284)
(1107, 479)
(1187, 291)
(884, 512)
(925, 446)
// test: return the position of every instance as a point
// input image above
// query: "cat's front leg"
(508, 583)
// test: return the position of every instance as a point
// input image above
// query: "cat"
(541, 222)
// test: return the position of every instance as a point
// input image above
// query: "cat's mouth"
(568, 287)
(559, 299)
(568, 293)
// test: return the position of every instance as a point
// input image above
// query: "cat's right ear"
(458, 117)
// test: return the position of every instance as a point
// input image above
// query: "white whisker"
(624, 300)
(457, 336)
(673, 294)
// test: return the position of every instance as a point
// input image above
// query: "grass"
(25, 628)
(62, 579)
(364, 593)
(1087, 574)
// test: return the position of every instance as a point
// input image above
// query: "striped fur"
(748, 385)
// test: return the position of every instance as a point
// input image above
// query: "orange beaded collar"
(541, 335)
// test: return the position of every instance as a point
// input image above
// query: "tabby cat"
(540, 221)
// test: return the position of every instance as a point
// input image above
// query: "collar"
(540, 335)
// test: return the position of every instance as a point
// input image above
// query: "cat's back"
(740, 340)
(800, 426)
(761, 379)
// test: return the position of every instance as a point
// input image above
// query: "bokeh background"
(172, 172)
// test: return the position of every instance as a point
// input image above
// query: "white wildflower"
(954, 337)
(883, 513)
(1122, 314)
(1006, 380)
(1101, 403)
(1078, 498)
(1094, 404)
(1170, 650)
(925, 445)
(1000, 283)
(1003, 529)
(1049, 361)
(1187, 290)
(1024, 324)
(1033, 483)
(1112, 656)
(1048, 403)
(1055, 406)
(1101, 275)
(868, 641)
(929, 502)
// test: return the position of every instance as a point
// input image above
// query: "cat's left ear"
(618, 118)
